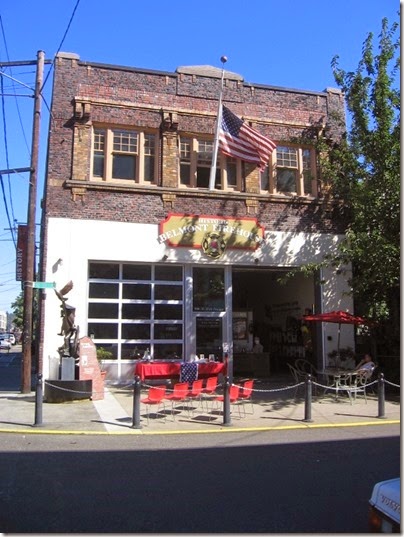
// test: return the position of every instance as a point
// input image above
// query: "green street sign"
(43, 285)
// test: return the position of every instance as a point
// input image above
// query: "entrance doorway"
(273, 311)
(209, 336)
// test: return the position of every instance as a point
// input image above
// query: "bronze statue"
(69, 330)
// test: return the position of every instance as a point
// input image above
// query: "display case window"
(208, 289)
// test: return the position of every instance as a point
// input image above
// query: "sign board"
(43, 285)
(192, 231)
(89, 367)
(21, 260)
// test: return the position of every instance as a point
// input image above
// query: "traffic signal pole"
(30, 272)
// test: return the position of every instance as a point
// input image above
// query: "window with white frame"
(135, 307)
(292, 171)
(195, 165)
(124, 155)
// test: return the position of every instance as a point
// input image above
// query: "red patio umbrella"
(340, 317)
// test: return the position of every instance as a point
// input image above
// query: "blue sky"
(280, 43)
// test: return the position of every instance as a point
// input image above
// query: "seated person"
(257, 346)
(366, 363)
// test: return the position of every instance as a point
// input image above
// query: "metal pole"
(212, 175)
(381, 396)
(308, 398)
(38, 401)
(136, 404)
(30, 272)
(226, 402)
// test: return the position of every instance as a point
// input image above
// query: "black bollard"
(136, 403)
(381, 396)
(226, 402)
(38, 401)
(307, 400)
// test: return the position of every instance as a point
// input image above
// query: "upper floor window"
(292, 171)
(195, 165)
(124, 155)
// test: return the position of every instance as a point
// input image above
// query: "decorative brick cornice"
(252, 205)
(168, 200)
(78, 191)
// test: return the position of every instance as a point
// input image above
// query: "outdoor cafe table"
(335, 375)
(171, 369)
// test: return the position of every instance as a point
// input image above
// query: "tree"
(361, 176)
(18, 311)
(370, 182)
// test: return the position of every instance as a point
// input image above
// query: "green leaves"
(365, 172)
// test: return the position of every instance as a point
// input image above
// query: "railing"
(308, 384)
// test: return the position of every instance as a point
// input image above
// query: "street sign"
(43, 285)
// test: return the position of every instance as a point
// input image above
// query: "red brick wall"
(126, 96)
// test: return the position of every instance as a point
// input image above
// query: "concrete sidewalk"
(275, 407)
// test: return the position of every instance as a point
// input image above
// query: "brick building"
(159, 260)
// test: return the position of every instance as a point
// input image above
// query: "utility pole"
(30, 273)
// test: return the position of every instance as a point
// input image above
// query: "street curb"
(202, 431)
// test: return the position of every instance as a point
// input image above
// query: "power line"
(61, 43)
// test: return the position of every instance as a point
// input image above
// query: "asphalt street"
(174, 477)
(312, 481)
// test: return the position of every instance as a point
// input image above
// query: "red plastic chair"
(209, 390)
(246, 394)
(234, 396)
(180, 393)
(155, 396)
(196, 391)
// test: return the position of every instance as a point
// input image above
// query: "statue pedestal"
(89, 368)
(61, 391)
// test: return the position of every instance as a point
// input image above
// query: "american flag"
(239, 140)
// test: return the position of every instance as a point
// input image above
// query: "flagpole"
(212, 176)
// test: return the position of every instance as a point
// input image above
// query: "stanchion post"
(38, 401)
(136, 404)
(226, 402)
(308, 397)
(381, 395)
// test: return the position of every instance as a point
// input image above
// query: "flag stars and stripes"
(239, 140)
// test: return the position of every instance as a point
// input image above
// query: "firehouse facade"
(159, 261)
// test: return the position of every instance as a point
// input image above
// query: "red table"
(165, 370)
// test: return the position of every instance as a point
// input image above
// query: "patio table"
(336, 376)
(171, 369)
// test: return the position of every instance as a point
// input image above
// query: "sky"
(286, 43)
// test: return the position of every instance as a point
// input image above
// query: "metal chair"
(360, 383)
(305, 367)
(298, 377)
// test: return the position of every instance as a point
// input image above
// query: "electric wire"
(6, 205)
(61, 43)
(12, 228)
(8, 167)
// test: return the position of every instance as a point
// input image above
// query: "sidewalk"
(275, 407)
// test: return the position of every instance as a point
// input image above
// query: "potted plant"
(344, 358)
(103, 354)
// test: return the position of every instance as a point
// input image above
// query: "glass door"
(209, 337)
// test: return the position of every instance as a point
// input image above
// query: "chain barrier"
(391, 383)
(258, 390)
(273, 389)
(344, 387)
(61, 388)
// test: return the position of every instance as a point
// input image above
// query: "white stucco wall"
(72, 243)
